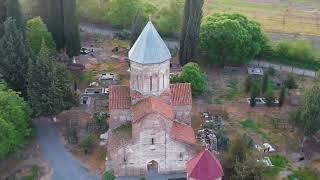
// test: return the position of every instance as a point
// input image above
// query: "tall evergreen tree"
(190, 40)
(71, 28)
(49, 88)
(42, 9)
(14, 11)
(3, 15)
(55, 22)
(15, 54)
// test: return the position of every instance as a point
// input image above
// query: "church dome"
(149, 47)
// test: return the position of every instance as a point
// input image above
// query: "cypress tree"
(264, 85)
(3, 15)
(190, 40)
(71, 28)
(15, 54)
(49, 85)
(14, 11)
(55, 22)
(282, 96)
(42, 9)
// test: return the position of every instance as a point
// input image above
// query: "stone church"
(162, 137)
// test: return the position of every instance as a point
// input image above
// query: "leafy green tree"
(282, 96)
(14, 11)
(191, 73)
(49, 87)
(71, 28)
(169, 18)
(231, 38)
(265, 81)
(36, 33)
(121, 12)
(240, 162)
(88, 142)
(307, 118)
(190, 40)
(15, 121)
(15, 54)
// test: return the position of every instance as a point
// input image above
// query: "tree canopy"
(190, 40)
(15, 121)
(49, 86)
(15, 54)
(37, 32)
(307, 117)
(14, 11)
(231, 38)
(121, 13)
(192, 73)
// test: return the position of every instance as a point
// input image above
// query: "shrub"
(290, 82)
(265, 81)
(269, 98)
(191, 73)
(282, 96)
(297, 53)
(279, 161)
(108, 175)
(231, 38)
(88, 142)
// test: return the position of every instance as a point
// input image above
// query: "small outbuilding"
(255, 72)
(204, 166)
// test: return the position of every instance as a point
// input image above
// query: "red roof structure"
(119, 97)
(181, 94)
(184, 133)
(204, 166)
(152, 105)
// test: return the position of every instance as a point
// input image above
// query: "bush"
(231, 38)
(290, 82)
(88, 142)
(269, 98)
(108, 175)
(191, 73)
(297, 53)
(279, 161)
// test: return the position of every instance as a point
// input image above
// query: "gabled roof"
(119, 97)
(152, 105)
(204, 166)
(183, 133)
(181, 94)
(149, 47)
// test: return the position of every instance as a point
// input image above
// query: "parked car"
(86, 51)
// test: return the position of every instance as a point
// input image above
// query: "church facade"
(162, 137)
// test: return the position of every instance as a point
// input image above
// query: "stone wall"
(183, 113)
(152, 142)
(150, 79)
(119, 117)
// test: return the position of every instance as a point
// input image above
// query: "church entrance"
(153, 166)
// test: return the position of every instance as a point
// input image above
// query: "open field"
(292, 16)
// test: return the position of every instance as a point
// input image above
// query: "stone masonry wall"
(119, 117)
(183, 113)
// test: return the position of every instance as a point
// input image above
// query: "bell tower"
(149, 63)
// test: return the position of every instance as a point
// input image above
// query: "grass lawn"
(303, 174)
(252, 125)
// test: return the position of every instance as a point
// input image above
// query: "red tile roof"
(204, 166)
(184, 133)
(119, 97)
(181, 94)
(152, 105)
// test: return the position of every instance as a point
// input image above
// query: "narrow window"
(150, 83)
(137, 79)
(181, 156)
(163, 81)
(152, 141)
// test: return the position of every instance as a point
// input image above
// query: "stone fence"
(285, 68)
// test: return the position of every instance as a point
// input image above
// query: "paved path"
(64, 166)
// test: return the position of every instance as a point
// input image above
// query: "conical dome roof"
(149, 47)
